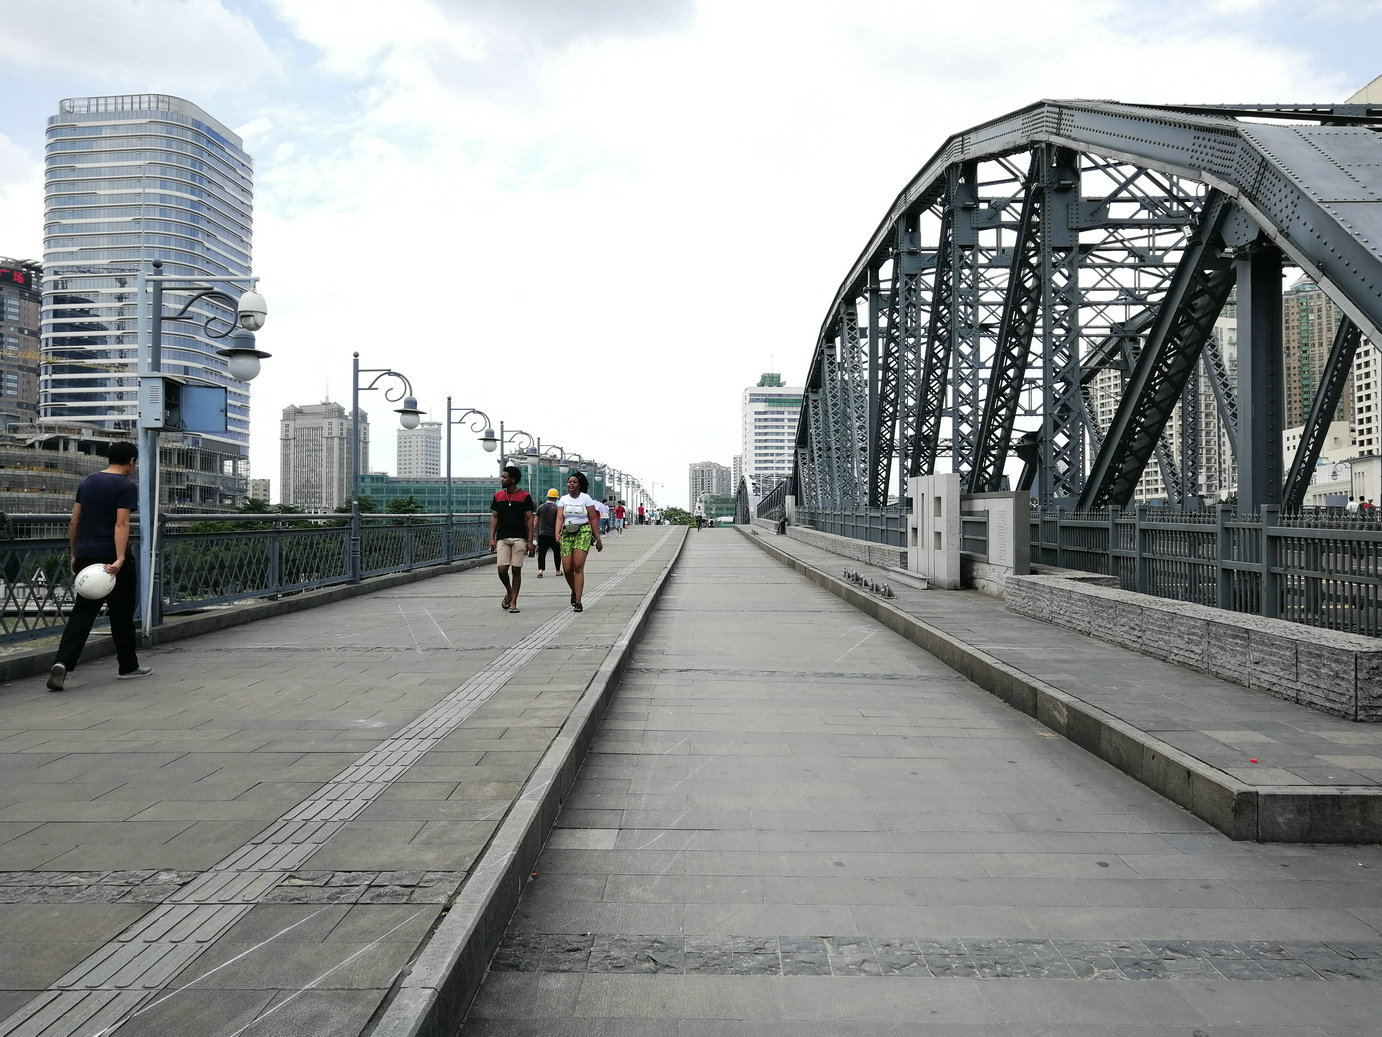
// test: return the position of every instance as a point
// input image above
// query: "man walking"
(512, 520)
(547, 532)
(99, 534)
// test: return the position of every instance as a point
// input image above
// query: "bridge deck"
(261, 836)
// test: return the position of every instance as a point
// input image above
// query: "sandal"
(504, 605)
(513, 608)
(576, 606)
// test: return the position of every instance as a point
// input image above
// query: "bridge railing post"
(1223, 540)
(1114, 566)
(1141, 577)
(1270, 604)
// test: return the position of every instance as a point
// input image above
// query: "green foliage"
(404, 506)
(678, 517)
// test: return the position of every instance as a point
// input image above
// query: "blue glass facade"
(131, 178)
(468, 493)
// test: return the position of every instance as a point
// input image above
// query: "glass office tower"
(132, 178)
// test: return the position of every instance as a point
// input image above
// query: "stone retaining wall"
(881, 555)
(1327, 670)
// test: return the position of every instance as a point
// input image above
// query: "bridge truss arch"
(1073, 242)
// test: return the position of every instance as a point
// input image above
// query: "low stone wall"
(881, 555)
(1330, 671)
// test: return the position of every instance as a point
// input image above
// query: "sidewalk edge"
(431, 999)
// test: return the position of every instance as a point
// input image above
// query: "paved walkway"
(795, 822)
(258, 838)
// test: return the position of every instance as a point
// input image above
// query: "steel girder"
(1145, 173)
(1224, 396)
(1061, 442)
(1190, 431)
(1009, 367)
(897, 386)
(816, 467)
(1322, 409)
(935, 373)
(1311, 188)
(854, 369)
(1183, 323)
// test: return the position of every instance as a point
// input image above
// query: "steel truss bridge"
(1071, 238)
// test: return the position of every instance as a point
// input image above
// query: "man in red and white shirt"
(512, 533)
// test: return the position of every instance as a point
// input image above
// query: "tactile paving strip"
(94, 998)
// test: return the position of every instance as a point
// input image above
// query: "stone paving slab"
(923, 859)
(1253, 765)
(263, 836)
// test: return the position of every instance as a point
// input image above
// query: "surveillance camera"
(252, 311)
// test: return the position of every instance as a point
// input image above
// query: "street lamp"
(487, 439)
(242, 363)
(509, 438)
(408, 414)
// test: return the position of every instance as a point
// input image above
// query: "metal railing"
(213, 560)
(875, 525)
(974, 534)
(773, 504)
(1321, 568)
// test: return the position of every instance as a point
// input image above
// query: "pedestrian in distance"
(619, 514)
(512, 524)
(547, 513)
(578, 526)
(99, 534)
(1352, 506)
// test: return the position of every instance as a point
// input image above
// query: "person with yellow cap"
(547, 532)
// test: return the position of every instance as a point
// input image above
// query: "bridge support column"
(1261, 407)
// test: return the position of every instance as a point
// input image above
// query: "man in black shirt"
(512, 522)
(99, 533)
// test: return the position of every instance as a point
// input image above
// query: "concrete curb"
(1335, 814)
(40, 658)
(433, 995)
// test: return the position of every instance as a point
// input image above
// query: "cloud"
(197, 43)
(21, 201)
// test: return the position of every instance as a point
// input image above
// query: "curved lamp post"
(408, 414)
(488, 440)
(242, 363)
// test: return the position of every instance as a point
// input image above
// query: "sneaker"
(143, 671)
(539, 574)
(57, 677)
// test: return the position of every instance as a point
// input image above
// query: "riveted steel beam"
(1322, 409)
(1197, 292)
(1016, 328)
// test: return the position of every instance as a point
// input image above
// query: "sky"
(599, 221)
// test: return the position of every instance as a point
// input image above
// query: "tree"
(678, 517)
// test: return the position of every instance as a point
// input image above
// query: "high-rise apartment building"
(768, 425)
(128, 179)
(21, 287)
(1308, 322)
(706, 478)
(314, 456)
(419, 451)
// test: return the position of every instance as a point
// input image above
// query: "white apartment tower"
(314, 456)
(419, 451)
(768, 426)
